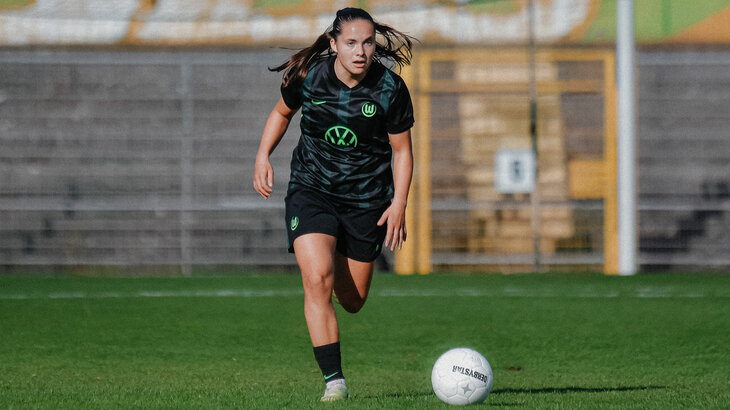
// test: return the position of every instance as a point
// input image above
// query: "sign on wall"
(514, 171)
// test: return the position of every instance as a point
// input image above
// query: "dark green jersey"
(344, 151)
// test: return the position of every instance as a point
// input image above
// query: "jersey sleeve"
(400, 114)
(292, 95)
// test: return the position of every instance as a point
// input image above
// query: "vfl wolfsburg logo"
(294, 223)
(368, 109)
(341, 136)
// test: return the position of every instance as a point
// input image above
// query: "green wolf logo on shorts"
(294, 223)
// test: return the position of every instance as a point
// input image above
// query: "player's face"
(355, 47)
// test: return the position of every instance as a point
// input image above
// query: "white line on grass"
(661, 292)
(544, 293)
(220, 293)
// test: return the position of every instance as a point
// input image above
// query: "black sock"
(329, 361)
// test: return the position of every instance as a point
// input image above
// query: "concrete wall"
(141, 158)
(684, 159)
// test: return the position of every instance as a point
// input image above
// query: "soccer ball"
(461, 376)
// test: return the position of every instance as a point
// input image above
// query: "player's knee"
(318, 285)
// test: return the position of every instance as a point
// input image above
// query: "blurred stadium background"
(128, 131)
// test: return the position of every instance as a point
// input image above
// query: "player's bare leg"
(352, 282)
(315, 256)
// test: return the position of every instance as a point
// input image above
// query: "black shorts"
(358, 235)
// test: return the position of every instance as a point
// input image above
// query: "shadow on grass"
(544, 390)
(398, 395)
(563, 390)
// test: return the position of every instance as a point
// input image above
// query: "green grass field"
(554, 341)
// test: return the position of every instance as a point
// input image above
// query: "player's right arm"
(276, 125)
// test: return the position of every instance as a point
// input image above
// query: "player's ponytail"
(396, 46)
(296, 68)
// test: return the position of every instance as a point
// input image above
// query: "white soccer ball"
(461, 376)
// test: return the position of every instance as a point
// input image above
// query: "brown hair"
(397, 46)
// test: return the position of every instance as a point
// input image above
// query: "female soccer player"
(344, 200)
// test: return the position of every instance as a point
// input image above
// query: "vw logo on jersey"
(368, 109)
(341, 136)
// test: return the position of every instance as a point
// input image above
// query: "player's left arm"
(395, 215)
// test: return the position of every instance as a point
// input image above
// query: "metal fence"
(474, 107)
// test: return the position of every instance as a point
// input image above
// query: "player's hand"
(395, 217)
(263, 176)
